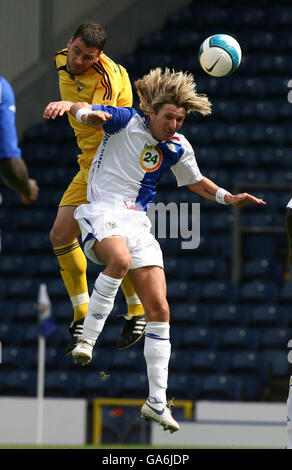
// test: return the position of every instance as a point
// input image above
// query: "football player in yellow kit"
(87, 74)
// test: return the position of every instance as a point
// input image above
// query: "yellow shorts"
(75, 194)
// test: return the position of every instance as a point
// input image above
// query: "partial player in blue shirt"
(12, 167)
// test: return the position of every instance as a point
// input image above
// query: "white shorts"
(101, 220)
(289, 205)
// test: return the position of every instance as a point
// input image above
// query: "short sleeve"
(8, 135)
(186, 170)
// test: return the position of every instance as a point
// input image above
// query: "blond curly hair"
(169, 87)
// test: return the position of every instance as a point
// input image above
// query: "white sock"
(289, 416)
(157, 353)
(100, 306)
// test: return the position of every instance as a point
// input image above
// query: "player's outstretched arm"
(15, 176)
(83, 112)
(210, 190)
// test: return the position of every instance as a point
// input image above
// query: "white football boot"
(82, 351)
(159, 412)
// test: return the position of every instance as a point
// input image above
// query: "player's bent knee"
(120, 265)
(61, 238)
(158, 312)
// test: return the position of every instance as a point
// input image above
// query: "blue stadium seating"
(184, 386)
(207, 362)
(19, 383)
(185, 313)
(179, 361)
(14, 357)
(129, 360)
(237, 338)
(275, 338)
(135, 385)
(277, 363)
(227, 314)
(266, 315)
(61, 383)
(197, 337)
(259, 291)
(221, 387)
(209, 268)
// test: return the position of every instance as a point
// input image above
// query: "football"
(220, 55)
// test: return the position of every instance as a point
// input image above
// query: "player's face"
(166, 122)
(80, 57)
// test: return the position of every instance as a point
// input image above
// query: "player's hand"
(57, 108)
(34, 192)
(96, 119)
(242, 199)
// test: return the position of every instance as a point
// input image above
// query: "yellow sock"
(73, 266)
(134, 305)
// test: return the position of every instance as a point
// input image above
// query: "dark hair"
(92, 34)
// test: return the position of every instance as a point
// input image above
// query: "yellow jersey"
(104, 83)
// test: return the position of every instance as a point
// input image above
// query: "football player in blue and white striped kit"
(137, 148)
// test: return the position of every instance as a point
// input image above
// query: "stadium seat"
(14, 357)
(227, 314)
(95, 385)
(263, 268)
(186, 313)
(275, 338)
(24, 289)
(259, 291)
(12, 265)
(221, 222)
(179, 361)
(207, 362)
(128, 360)
(245, 362)
(260, 245)
(285, 295)
(135, 385)
(218, 291)
(198, 337)
(37, 243)
(277, 363)
(109, 335)
(182, 290)
(19, 383)
(252, 386)
(266, 315)
(238, 338)
(26, 311)
(47, 266)
(10, 333)
(63, 311)
(173, 268)
(61, 384)
(221, 387)
(209, 268)
(183, 386)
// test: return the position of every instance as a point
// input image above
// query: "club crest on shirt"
(171, 147)
(80, 86)
(151, 158)
(110, 224)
